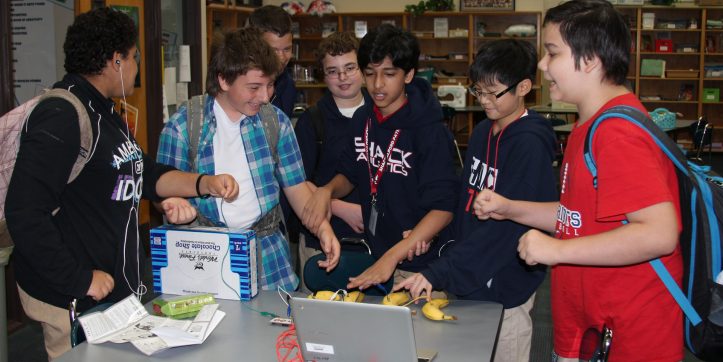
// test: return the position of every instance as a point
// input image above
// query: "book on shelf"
(652, 68)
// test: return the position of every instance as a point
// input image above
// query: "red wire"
(286, 341)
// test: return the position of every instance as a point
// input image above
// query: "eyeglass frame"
(345, 70)
(473, 91)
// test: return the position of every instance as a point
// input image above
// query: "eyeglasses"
(472, 89)
(348, 71)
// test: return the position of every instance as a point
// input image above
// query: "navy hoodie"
(284, 92)
(419, 176)
(483, 263)
(320, 160)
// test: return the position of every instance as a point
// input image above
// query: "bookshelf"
(692, 49)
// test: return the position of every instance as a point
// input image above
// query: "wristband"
(198, 189)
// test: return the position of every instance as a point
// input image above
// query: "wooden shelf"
(700, 39)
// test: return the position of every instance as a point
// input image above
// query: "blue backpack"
(701, 207)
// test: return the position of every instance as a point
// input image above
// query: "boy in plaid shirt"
(240, 82)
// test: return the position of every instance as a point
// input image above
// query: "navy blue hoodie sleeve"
(437, 179)
(489, 249)
(306, 137)
(152, 171)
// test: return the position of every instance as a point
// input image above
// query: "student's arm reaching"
(539, 215)
(298, 196)
(316, 208)
(650, 233)
(347, 211)
(430, 225)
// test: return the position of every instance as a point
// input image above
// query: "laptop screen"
(339, 331)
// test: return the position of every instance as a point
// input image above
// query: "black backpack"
(701, 208)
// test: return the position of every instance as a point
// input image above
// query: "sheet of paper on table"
(128, 321)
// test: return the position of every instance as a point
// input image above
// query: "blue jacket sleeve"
(306, 137)
(438, 182)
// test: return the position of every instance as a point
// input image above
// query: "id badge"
(373, 215)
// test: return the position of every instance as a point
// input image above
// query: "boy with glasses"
(510, 152)
(323, 130)
(399, 157)
(604, 236)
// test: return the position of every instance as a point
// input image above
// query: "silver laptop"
(338, 331)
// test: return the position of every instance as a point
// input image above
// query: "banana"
(397, 298)
(354, 297)
(439, 302)
(432, 310)
(324, 295)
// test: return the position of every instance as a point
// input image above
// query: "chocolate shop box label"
(189, 260)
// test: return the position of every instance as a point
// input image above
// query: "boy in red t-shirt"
(600, 275)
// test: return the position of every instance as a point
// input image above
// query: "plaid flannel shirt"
(268, 178)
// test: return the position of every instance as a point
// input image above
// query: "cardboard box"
(197, 260)
(682, 73)
(711, 95)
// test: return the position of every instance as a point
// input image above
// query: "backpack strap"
(674, 153)
(194, 123)
(86, 131)
(270, 121)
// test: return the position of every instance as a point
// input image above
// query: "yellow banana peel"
(432, 310)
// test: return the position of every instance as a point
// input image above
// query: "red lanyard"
(374, 180)
(497, 148)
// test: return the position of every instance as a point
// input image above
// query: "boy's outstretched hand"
(378, 273)
(330, 246)
(223, 185)
(536, 247)
(489, 204)
(178, 210)
(416, 284)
